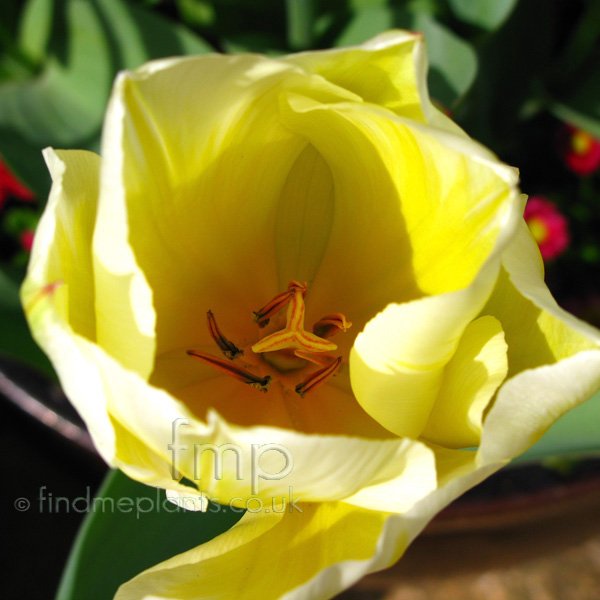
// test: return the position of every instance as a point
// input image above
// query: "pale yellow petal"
(196, 177)
(441, 203)
(61, 253)
(330, 546)
(389, 70)
(470, 380)
(537, 330)
(313, 554)
(125, 314)
(386, 70)
(553, 358)
(398, 361)
(529, 403)
(398, 495)
(188, 500)
(58, 292)
(227, 461)
(82, 383)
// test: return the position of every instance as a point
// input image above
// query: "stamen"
(229, 349)
(228, 368)
(319, 377)
(329, 325)
(263, 316)
(322, 360)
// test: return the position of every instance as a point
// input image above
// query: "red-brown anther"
(318, 378)
(229, 349)
(228, 368)
(329, 325)
(263, 316)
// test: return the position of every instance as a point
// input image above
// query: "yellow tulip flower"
(300, 255)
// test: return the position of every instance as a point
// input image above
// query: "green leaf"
(66, 102)
(64, 105)
(487, 14)
(575, 433)
(240, 43)
(581, 107)
(367, 21)
(570, 115)
(452, 60)
(9, 292)
(35, 28)
(25, 160)
(117, 543)
(197, 13)
(137, 35)
(300, 20)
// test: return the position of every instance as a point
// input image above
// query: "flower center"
(289, 349)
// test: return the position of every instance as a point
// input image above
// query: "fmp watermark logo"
(245, 462)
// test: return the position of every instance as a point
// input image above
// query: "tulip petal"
(227, 461)
(330, 545)
(397, 363)
(398, 360)
(553, 357)
(310, 554)
(400, 494)
(470, 379)
(58, 292)
(197, 176)
(389, 70)
(529, 403)
(442, 203)
(124, 303)
(384, 70)
(62, 250)
(537, 330)
(188, 500)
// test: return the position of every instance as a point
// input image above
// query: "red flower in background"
(548, 226)
(580, 150)
(12, 187)
(26, 239)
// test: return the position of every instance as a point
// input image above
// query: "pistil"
(293, 335)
